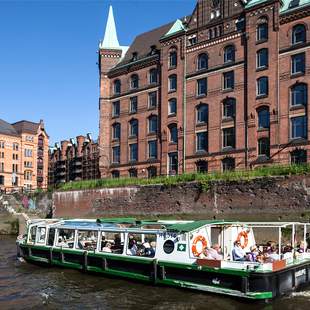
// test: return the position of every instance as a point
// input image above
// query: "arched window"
(202, 61)
(117, 87)
(133, 173)
(173, 130)
(173, 56)
(153, 124)
(262, 86)
(202, 166)
(262, 30)
(172, 82)
(229, 54)
(228, 164)
(172, 106)
(299, 94)
(133, 128)
(299, 157)
(202, 113)
(264, 147)
(299, 34)
(229, 108)
(151, 172)
(116, 131)
(263, 118)
(262, 58)
(153, 76)
(134, 81)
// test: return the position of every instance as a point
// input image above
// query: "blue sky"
(48, 55)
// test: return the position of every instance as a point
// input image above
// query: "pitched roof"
(7, 129)
(26, 126)
(143, 42)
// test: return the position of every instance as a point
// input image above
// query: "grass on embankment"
(204, 179)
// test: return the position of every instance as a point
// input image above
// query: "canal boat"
(175, 253)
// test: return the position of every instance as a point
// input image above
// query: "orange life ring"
(204, 243)
(243, 235)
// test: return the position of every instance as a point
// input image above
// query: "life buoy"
(203, 241)
(243, 235)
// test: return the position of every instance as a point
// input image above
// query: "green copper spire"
(110, 37)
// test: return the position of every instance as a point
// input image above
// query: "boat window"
(51, 236)
(41, 233)
(32, 234)
(87, 240)
(141, 245)
(112, 242)
(168, 246)
(65, 238)
(216, 235)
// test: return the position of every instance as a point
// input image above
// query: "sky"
(48, 56)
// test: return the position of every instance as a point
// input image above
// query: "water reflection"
(24, 286)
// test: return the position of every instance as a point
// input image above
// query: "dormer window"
(134, 56)
(153, 50)
(192, 40)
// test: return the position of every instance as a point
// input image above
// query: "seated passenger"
(273, 254)
(254, 253)
(215, 252)
(62, 243)
(132, 246)
(107, 248)
(301, 247)
(117, 241)
(238, 253)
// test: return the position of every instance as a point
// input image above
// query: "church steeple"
(110, 37)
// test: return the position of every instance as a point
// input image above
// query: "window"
(133, 108)
(172, 106)
(151, 172)
(192, 40)
(133, 152)
(173, 133)
(87, 240)
(263, 118)
(202, 113)
(141, 245)
(262, 86)
(117, 87)
(41, 234)
(15, 168)
(228, 164)
(229, 54)
(153, 99)
(202, 141)
(299, 34)
(153, 76)
(264, 147)
(152, 149)
(298, 63)
(202, 62)
(229, 108)
(1, 179)
(15, 146)
(299, 157)
(133, 173)
(65, 238)
(229, 137)
(115, 109)
(299, 94)
(2, 167)
(112, 242)
(134, 81)
(173, 59)
(173, 163)
(262, 32)
(202, 166)
(115, 174)
(116, 154)
(262, 58)
(28, 152)
(172, 82)
(116, 129)
(28, 175)
(229, 80)
(133, 128)
(2, 144)
(153, 124)
(299, 127)
(202, 87)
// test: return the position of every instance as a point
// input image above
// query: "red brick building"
(223, 88)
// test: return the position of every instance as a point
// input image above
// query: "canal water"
(25, 286)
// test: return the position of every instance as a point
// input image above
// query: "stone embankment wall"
(280, 198)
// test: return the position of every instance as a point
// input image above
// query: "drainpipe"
(184, 105)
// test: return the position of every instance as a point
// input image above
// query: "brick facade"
(239, 99)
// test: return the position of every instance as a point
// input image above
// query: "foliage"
(203, 179)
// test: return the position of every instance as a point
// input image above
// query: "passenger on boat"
(308, 240)
(132, 246)
(107, 248)
(273, 254)
(301, 247)
(62, 243)
(238, 253)
(253, 254)
(148, 250)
